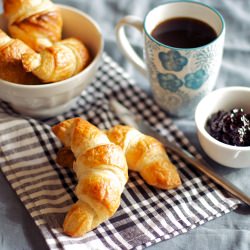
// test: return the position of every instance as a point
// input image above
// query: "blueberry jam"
(231, 127)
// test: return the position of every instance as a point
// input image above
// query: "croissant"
(102, 173)
(58, 62)
(11, 68)
(37, 23)
(147, 156)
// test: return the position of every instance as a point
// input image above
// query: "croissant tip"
(31, 61)
(55, 129)
(78, 220)
(71, 234)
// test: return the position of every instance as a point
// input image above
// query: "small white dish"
(223, 99)
(47, 100)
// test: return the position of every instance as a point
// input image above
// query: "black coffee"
(183, 32)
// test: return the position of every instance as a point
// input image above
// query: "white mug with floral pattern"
(179, 77)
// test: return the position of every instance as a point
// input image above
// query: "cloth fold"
(146, 215)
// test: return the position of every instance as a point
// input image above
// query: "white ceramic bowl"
(48, 100)
(223, 99)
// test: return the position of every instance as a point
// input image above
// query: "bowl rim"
(62, 82)
(202, 129)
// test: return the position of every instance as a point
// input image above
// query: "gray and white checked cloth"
(146, 215)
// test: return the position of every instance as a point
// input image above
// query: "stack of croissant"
(101, 161)
(34, 52)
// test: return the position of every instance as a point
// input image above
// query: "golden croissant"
(11, 68)
(147, 156)
(102, 173)
(64, 59)
(37, 23)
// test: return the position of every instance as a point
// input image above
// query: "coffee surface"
(183, 32)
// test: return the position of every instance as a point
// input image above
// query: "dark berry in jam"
(231, 127)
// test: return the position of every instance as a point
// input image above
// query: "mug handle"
(125, 45)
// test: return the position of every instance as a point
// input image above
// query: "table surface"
(231, 231)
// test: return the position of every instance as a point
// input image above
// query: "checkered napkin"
(146, 215)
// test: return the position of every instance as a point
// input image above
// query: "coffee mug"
(179, 77)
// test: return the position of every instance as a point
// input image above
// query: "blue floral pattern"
(169, 81)
(195, 80)
(180, 78)
(173, 60)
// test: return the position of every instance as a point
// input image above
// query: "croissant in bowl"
(11, 68)
(37, 23)
(64, 59)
